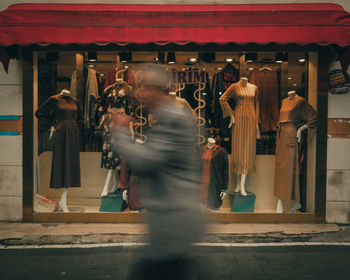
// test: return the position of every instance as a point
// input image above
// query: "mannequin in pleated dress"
(245, 118)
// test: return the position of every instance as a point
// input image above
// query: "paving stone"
(113, 263)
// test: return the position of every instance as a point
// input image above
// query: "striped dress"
(244, 131)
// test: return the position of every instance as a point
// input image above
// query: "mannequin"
(243, 86)
(112, 179)
(135, 199)
(296, 205)
(115, 100)
(181, 103)
(64, 111)
(214, 175)
(294, 110)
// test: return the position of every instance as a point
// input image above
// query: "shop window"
(77, 93)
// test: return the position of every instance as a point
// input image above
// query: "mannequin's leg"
(238, 181)
(115, 181)
(296, 205)
(279, 208)
(243, 177)
(108, 182)
(63, 201)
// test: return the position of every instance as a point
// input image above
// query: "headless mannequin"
(211, 143)
(223, 194)
(172, 95)
(125, 192)
(241, 178)
(112, 180)
(63, 202)
(296, 205)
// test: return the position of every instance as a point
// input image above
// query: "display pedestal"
(112, 203)
(241, 203)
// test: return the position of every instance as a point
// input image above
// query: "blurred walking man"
(167, 168)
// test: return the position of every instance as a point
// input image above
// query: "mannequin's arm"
(52, 130)
(125, 194)
(300, 130)
(232, 120)
(225, 107)
(223, 194)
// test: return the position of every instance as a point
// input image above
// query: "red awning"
(27, 24)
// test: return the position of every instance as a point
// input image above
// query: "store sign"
(188, 77)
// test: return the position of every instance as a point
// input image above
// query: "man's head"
(155, 80)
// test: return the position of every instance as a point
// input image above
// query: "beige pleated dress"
(293, 114)
(244, 130)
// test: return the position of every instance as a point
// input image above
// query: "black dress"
(65, 113)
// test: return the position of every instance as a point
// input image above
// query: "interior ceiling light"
(294, 85)
(219, 68)
(302, 60)
(92, 56)
(193, 59)
(251, 57)
(171, 58)
(281, 57)
(229, 59)
(91, 65)
(289, 78)
(124, 57)
(250, 68)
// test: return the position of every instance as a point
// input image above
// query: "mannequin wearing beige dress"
(245, 117)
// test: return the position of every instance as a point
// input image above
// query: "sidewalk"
(12, 234)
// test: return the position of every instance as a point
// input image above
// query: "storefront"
(283, 50)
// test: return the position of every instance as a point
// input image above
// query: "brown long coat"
(293, 114)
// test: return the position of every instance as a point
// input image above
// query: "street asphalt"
(248, 262)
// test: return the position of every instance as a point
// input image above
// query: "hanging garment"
(267, 83)
(206, 95)
(93, 91)
(294, 113)
(128, 182)
(221, 82)
(214, 175)
(128, 77)
(66, 113)
(244, 130)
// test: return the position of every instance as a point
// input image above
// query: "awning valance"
(27, 24)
